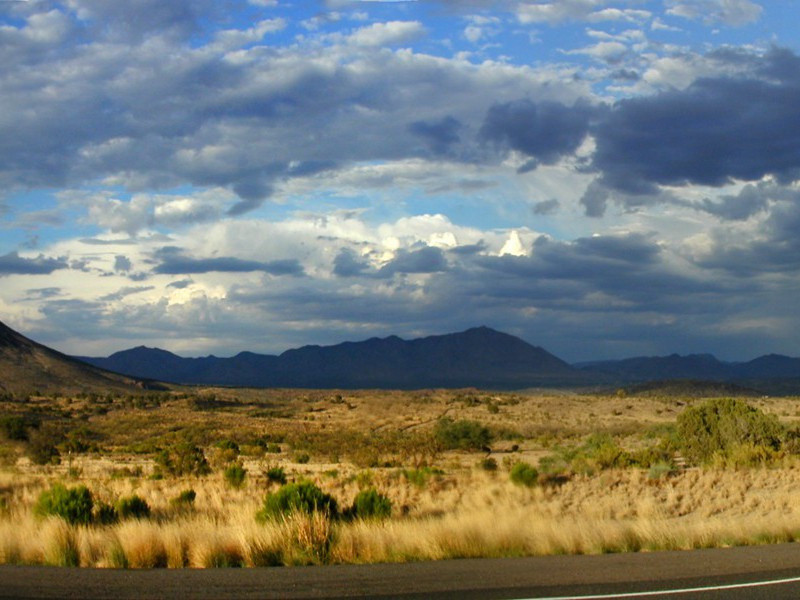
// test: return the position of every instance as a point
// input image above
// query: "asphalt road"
(641, 575)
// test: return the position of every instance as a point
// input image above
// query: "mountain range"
(479, 357)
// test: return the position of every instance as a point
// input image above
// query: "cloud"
(707, 134)
(387, 34)
(125, 292)
(347, 264)
(546, 207)
(14, 264)
(181, 284)
(122, 263)
(425, 260)
(576, 10)
(545, 131)
(439, 135)
(728, 12)
(174, 262)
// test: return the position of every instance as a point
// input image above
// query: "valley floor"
(445, 503)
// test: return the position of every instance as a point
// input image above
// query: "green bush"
(276, 475)
(419, 477)
(14, 428)
(133, 507)
(302, 496)
(302, 458)
(489, 464)
(227, 445)
(106, 514)
(235, 475)
(461, 435)
(74, 505)
(184, 500)
(370, 504)
(184, 458)
(525, 474)
(42, 445)
(717, 427)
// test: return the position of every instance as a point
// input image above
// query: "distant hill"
(654, 368)
(478, 357)
(27, 367)
(771, 374)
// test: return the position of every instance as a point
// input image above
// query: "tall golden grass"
(468, 513)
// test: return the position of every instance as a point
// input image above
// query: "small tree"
(461, 435)
(184, 458)
(718, 426)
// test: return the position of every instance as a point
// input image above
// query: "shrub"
(660, 470)
(183, 458)
(302, 496)
(276, 475)
(489, 464)
(461, 435)
(235, 474)
(106, 514)
(14, 428)
(718, 426)
(227, 445)
(42, 445)
(370, 504)
(419, 477)
(525, 474)
(184, 499)
(74, 505)
(133, 507)
(302, 458)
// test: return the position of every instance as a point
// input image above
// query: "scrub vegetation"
(232, 478)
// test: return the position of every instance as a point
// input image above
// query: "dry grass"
(470, 514)
(466, 512)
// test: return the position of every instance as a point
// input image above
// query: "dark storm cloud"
(545, 131)
(438, 135)
(174, 262)
(605, 259)
(347, 264)
(14, 264)
(749, 201)
(776, 248)
(714, 131)
(424, 260)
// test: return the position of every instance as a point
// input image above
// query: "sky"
(603, 178)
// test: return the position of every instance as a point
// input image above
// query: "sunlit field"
(459, 474)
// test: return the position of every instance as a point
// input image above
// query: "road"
(604, 576)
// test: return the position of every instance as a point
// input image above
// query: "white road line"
(713, 588)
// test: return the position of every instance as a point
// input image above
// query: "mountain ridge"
(476, 357)
(27, 367)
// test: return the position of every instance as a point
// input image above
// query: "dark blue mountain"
(479, 357)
